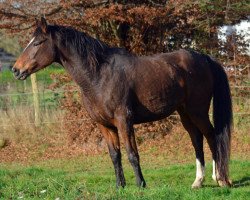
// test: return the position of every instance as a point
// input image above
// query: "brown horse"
(120, 89)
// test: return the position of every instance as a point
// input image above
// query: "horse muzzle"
(20, 75)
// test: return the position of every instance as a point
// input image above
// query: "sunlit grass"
(93, 178)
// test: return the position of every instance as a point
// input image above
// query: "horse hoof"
(225, 183)
(197, 184)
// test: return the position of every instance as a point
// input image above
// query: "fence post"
(35, 99)
(248, 71)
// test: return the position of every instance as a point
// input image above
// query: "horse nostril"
(14, 69)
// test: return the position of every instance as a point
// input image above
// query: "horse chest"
(98, 111)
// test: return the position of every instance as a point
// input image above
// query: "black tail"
(222, 116)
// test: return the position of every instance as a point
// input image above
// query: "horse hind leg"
(197, 141)
(214, 177)
(205, 126)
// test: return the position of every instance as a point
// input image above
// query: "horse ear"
(37, 22)
(44, 25)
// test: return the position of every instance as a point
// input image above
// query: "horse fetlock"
(142, 184)
(121, 182)
(214, 178)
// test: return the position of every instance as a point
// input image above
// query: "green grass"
(93, 178)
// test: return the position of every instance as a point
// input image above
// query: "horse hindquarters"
(209, 79)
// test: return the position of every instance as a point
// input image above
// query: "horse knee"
(133, 159)
(115, 156)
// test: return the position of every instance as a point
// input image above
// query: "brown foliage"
(143, 27)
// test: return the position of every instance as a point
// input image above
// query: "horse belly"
(155, 105)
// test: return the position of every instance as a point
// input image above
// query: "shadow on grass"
(245, 181)
(209, 186)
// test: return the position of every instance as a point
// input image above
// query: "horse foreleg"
(126, 130)
(111, 136)
(134, 159)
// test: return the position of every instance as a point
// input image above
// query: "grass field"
(93, 178)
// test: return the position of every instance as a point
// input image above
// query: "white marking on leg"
(214, 171)
(29, 43)
(200, 170)
(200, 174)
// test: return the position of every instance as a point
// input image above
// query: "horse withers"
(120, 89)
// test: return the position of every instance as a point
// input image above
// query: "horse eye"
(39, 42)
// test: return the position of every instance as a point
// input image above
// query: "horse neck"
(79, 67)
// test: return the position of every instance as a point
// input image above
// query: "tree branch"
(10, 14)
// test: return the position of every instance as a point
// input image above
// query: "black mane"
(91, 51)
